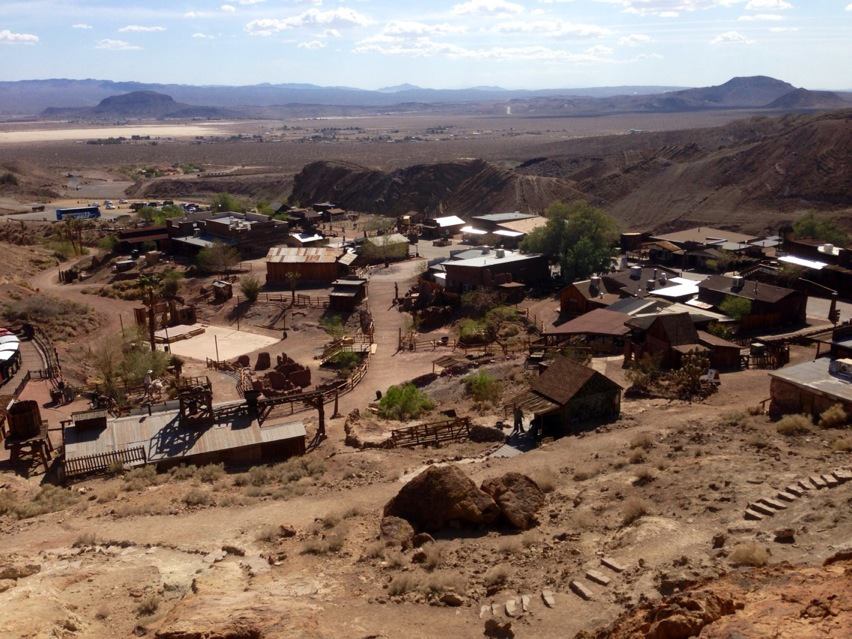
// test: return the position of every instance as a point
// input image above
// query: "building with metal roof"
(812, 387)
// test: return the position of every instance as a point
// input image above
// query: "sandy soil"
(231, 343)
(19, 135)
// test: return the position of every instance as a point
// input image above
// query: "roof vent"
(650, 285)
(664, 278)
(500, 253)
(486, 250)
(635, 272)
(738, 282)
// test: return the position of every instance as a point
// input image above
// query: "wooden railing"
(448, 430)
(101, 462)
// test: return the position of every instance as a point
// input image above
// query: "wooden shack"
(309, 264)
(568, 396)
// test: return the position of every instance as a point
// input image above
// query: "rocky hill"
(142, 105)
(745, 173)
(464, 186)
(805, 99)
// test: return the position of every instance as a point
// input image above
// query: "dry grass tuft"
(148, 606)
(435, 552)
(793, 425)
(401, 584)
(497, 576)
(545, 479)
(634, 509)
(642, 440)
(834, 417)
(637, 456)
(586, 473)
(198, 497)
(842, 445)
(509, 546)
(749, 554)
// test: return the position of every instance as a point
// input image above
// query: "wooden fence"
(101, 462)
(433, 433)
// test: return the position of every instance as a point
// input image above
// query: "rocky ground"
(295, 549)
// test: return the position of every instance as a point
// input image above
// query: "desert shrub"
(394, 558)
(333, 325)
(824, 229)
(842, 445)
(328, 543)
(38, 308)
(471, 330)
(793, 425)
(749, 554)
(107, 496)
(268, 533)
(731, 419)
(198, 497)
(582, 474)
(643, 373)
(401, 584)
(686, 380)
(85, 539)
(834, 417)
(642, 440)
(644, 476)
(140, 478)
(483, 387)
(184, 471)
(634, 508)
(584, 519)
(376, 550)
(345, 361)
(477, 301)
(210, 473)
(721, 330)
(403, 402)
(227, 202)
(219, 258)
(441, 582)
(48, 499)
(148, 606)
(107, 243)
(250, 287)
(434, 555)
(496, 576)
(530, 538)
(757, 440)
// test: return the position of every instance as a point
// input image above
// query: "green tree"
(405, 401)
(170, 284)
(250, 286)
(483, 387)
(219, 258)
(227, 202)
(579, 237)
(735, 307)
(820, 228)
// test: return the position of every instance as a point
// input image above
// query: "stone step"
(793, 489)
(548, 598)
(598, 578)
(753, 515)
(777, 505)
(484, 611)
(805, 484)
(817, 481)
(526, 602)
(830, 480)
(762, 509)
(787, 496)
(612, 564)
(581, 590)
(495, 609)
(843, 475)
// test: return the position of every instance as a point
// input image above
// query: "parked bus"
(79, 213)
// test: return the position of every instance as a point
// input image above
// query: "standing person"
(518, 414)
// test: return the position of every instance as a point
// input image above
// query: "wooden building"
(347, 294)
(578, 298)
(568, 396)
(492, 268)
(310, 264)
(667, 337)
(771, 306)
(602, 330)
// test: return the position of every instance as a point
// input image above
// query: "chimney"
(650, 284)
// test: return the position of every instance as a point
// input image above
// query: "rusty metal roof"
(302, 254)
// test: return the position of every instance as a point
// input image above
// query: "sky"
(524, 44)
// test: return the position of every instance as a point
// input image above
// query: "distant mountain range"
(94, 99)
(29, 97)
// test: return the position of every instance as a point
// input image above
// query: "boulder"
(518, 497)
(439, 496)
(484, 434)
(395, 531)
(18, 571)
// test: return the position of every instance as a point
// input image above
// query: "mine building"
(771, 306)
(309, 264)
(494, 267)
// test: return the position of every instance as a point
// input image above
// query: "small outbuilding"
(347, 294)
(602, 330)
(568, 396)
(811, 387)
(310, 264)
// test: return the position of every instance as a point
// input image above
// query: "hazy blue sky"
(442, 44)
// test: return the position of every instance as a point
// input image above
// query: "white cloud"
(203, 36)
(487, 7)
(313, 44)
(81, 25)
(552, 28)
(116, 45)
(138, 28)
(228, 8)
(330, 33)
(249, 2)
(849, 7)
(762, 5)
(406, 27)
(668, 8)
(783, 29)
(635, 40)
(10, 37)
(761, 17)
(731, 37)
(334, 18)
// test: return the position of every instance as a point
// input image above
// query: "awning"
(532, 402)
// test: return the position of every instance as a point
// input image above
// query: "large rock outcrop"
(441, 495)
(518, 497)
